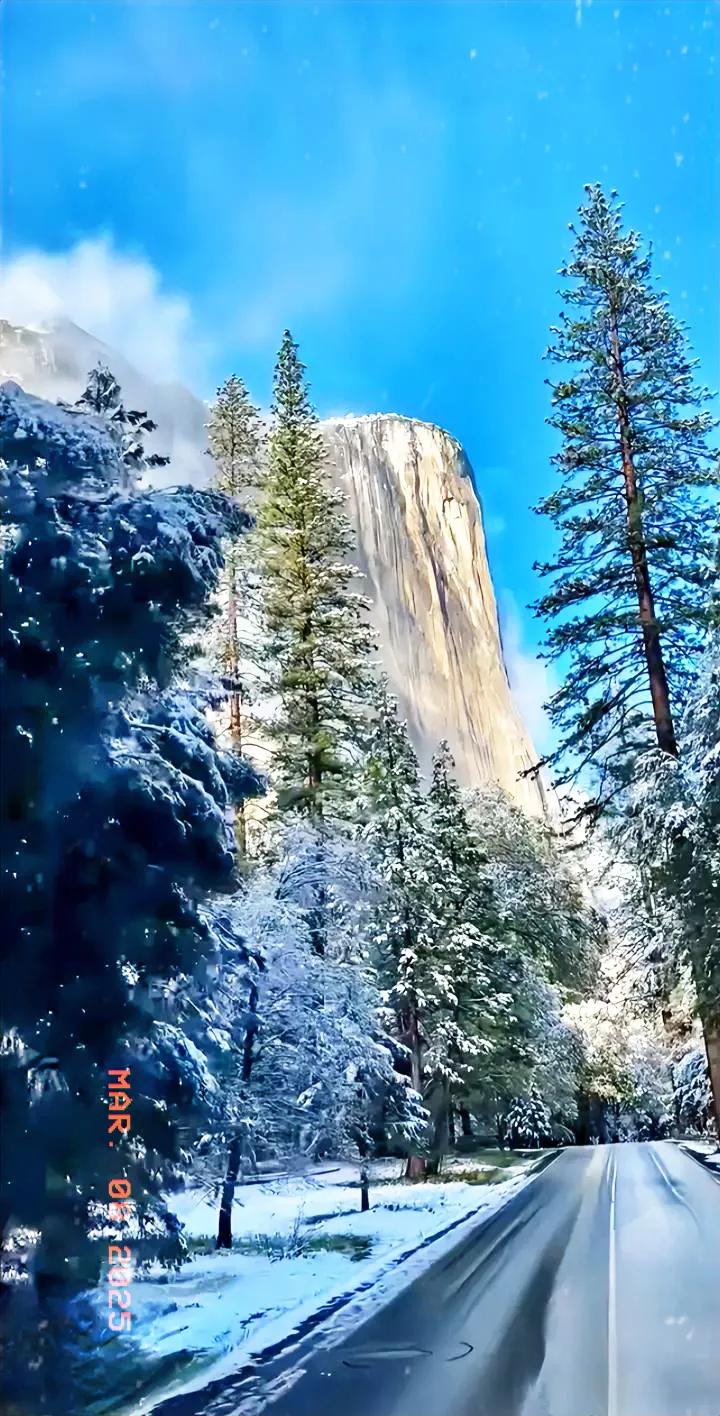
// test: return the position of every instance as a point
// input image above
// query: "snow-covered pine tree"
(692, 1092)
(470, 937)
(235, 439)
(434, 959)
(317, 653)
(403, 926)
(537, 897)
(674, 829)
(628, 596)
(308, 1069)
(103, 398)
(550, 938)
(527, 1123)
(114, 802)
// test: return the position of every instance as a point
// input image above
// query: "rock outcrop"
(421, 548)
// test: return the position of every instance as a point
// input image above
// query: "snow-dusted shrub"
(692, 1091)
(527, 1124)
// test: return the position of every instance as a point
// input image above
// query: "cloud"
(117, 297)
(531, 680)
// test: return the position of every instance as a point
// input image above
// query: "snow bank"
(223, 1309)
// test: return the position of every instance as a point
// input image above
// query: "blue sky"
(392, 180)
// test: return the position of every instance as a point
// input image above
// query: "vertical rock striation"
(421, 548)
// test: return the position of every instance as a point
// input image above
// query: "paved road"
(594, 1292)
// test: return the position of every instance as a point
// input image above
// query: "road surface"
(594, 1292)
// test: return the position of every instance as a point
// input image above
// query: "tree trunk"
(466, 1121)
(317, 914)
(452, 1126)
(416, 1168)
(675, 1100)
(441, 1128)
(711, 1033)
(224, 1235)
(657, 676)
(251, 1028)
(236, 707)
(364, 1189)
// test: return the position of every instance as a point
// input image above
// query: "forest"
(225, 875)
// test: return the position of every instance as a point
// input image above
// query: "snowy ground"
(707, 1151)
(301, 1246)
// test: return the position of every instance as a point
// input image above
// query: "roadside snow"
(706, 1151)
(303, 1246)
(275, 1208)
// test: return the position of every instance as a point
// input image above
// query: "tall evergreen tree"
(114, 832)
(630, 578)
(103, 397)
(318, 641)
(436, 961)
(235, 437)
(234, 432)
(471, 931)
(404, 918)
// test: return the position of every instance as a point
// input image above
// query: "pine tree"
(318, 642)
(546, 940)
(629, 581)
(435, 961)
(404, 919)
(472, 936)
(538, 900)
(527, 1123)
(235, 438)
(692, 1091)
(674, 831)
(103, 397)
(307, 1065)
(114, 802)
(235, 444)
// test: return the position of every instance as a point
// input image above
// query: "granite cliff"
(421, 548)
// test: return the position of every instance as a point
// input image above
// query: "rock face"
(421, 548)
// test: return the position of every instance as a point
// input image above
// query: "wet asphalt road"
(594, 1292)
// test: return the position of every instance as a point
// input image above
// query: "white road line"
(659, 1166)
(612, 1300)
